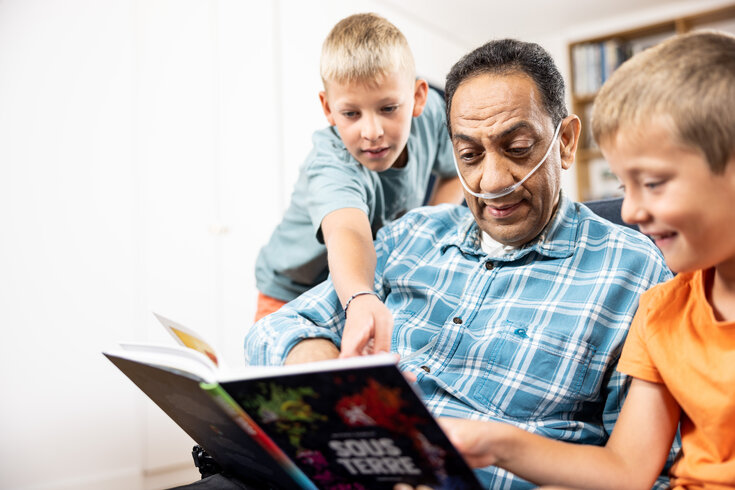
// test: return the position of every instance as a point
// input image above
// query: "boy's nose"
(371, 128)
(632, 211)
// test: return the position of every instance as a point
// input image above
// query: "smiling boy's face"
(374, 120)
(673, 196)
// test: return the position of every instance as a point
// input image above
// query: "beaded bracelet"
(360, 293)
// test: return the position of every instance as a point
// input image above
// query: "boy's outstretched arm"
(351, 256)
(447, 190)
(632, 458)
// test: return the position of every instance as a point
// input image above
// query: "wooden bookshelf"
(591, 62)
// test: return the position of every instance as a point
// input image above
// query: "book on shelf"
(346, 424)
(594, 62)
(587, 141)
(603, 183)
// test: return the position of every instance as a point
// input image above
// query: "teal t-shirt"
(295, 259)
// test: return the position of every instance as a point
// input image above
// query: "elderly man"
(514, 308)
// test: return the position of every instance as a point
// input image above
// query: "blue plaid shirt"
(531, 337)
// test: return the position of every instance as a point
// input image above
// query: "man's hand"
(310, 350)
(368, 329)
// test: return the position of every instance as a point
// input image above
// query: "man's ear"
(421, 91)
(325, 107)
(570, 129)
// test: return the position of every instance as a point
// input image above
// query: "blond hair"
(688, 80)
(364, 48)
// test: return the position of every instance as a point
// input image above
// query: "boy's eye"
(390, 108)
(350, 114)
(652, 184)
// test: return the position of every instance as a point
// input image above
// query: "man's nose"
(633, 211)
(496, 174)
(371, 127)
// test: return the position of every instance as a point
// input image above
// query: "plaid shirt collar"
(556, 240)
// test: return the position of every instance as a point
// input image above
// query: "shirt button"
(457, 320)
(426, 368)
(521, 332)
(489, 265)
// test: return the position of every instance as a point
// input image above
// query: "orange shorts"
(267, 305)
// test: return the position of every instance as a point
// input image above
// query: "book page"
(188, 338)
(340, 364)
(171, 357)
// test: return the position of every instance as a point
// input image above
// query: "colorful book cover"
(228, 435)
(344, 424)
(354, 429)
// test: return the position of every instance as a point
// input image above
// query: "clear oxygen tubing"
(507, 190)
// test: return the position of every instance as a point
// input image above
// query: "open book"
(347, 424)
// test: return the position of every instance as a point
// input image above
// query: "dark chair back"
(610, 210)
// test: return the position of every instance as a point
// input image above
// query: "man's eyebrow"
(463, 137)
(516, 127)
(519, 126)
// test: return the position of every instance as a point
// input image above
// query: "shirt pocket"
(537, 375)
(412, 335)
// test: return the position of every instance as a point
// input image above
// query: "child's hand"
(368, 329)
(474, 439)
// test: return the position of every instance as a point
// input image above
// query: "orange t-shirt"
(675, 340)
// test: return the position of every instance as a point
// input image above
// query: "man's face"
(500, 131)
(374, 120)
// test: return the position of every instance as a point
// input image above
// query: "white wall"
(68, 239)
(130, 133)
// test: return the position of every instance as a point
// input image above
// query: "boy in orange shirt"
(666, 123)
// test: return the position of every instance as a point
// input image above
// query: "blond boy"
(666, 123)
(387, 136)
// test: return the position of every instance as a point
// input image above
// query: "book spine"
(242, 419)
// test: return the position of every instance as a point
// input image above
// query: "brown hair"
(364, 48)
(688, 80)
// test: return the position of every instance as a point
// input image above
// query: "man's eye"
(469, 156)
(519, 151)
